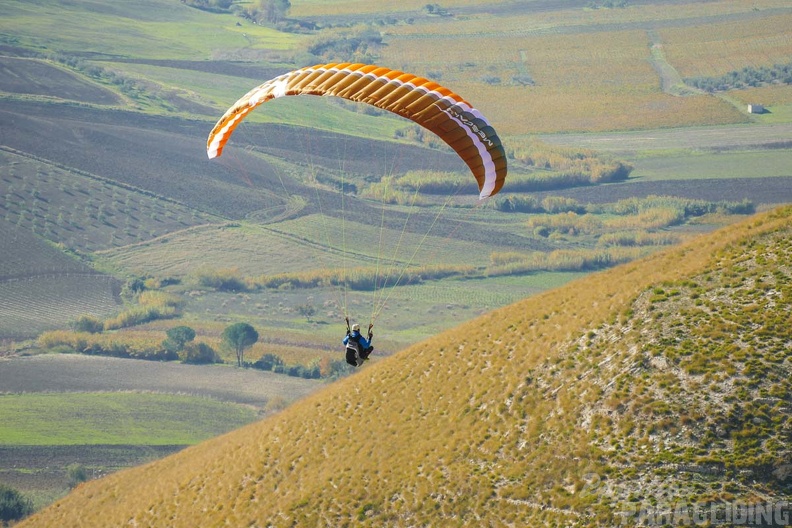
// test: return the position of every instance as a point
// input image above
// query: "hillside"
(656, 389)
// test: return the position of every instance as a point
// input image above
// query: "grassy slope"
(563, 409)
(151, 27)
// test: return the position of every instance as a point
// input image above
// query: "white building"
(756, 109)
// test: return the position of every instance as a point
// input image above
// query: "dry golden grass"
(479, 425)
(767, 95)
(715, 49)
(588, 74)
(583, 81)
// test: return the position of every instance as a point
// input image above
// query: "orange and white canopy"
(425, 102)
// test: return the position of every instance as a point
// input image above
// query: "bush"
(151, 305)
(748, 76)
(113, 345)
(338, 369)
(268, 362)
(13, 505)
(227, 280)
(77, 474)
(301, 371)
(518, 204)
(562, 204)
(198, 353)
(86, 323)
(435, 182)
(357, 44)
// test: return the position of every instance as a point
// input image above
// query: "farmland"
(150, 205)
(109, 165)
(104, 414)
(104, 183)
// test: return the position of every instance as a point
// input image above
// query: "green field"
(714, 165)
(115, 418)
(156, 30)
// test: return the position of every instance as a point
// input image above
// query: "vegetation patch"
(744, 78)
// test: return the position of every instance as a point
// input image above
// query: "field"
(104, 414)
(40, 197)
(42, 288)
(114, 418)
(104, 183)
(573, 69)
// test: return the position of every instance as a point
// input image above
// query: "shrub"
(435, 182)
(562, 204)
(227, 280)
(13, 505)
(513, 203)
(748, 76)
(77, 474)
(113, 345)
(62, 338)
(358, 278)
(198, 353)
(87, 323)
(357, 44)
(268, 362)
(338, 368)
(151, 305)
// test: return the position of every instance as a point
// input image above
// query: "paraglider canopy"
(425, 102)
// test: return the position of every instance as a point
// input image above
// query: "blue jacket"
(363, 341)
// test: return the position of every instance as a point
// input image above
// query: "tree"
(238, 337)
(307, 310)
(13, 505)
(273, 11)
(178, 336)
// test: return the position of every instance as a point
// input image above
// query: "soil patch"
(35, 77)
(766, 191)
(78, 373)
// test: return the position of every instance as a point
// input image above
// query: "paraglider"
(420, 100)
(358, 348)
(425, 102)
